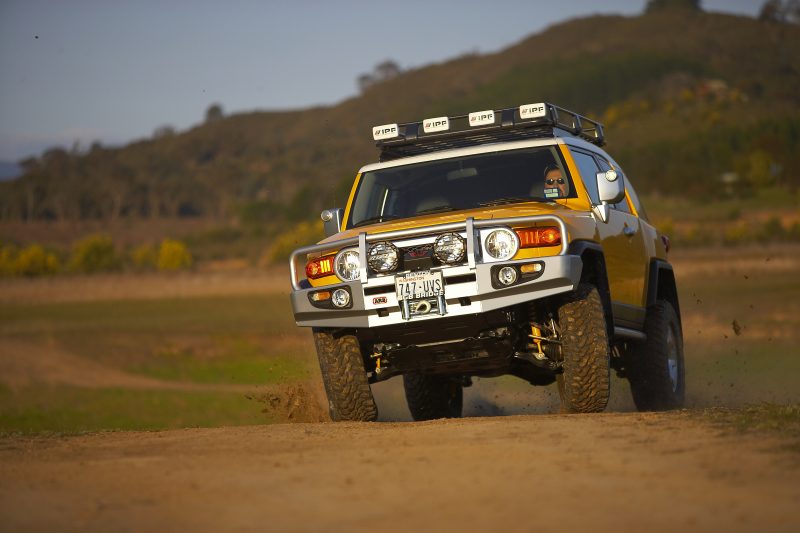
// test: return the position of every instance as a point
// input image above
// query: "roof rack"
(515, 123)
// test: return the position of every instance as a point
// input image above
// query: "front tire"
(585, 383)
(656, 366)
(346, 385)
(432, 397)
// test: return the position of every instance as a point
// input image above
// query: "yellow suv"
(499, 242)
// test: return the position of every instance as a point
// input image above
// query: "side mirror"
(333, 220)
(610, 189)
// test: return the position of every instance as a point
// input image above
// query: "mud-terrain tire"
(585, 383)
(344, 377)
(432, 397)
(655, 367)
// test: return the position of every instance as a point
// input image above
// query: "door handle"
(629, 231)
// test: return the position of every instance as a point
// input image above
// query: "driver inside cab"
(555, 185)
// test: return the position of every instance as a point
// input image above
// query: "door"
(623, 246)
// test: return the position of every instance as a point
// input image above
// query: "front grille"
(418, 257)
(423, 250)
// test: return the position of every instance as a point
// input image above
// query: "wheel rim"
(672, 359)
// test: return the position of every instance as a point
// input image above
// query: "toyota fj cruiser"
(499, 242)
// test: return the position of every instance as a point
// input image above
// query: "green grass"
(782, 421)
(226, 340)
(739, 373)
(71, 410)
(234, 339)
(250, 371)
(760, 364)
(226, 314)
(700, 209)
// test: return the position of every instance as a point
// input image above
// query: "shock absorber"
(540, 349)
(536, 333)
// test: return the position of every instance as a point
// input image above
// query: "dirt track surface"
(620, 472)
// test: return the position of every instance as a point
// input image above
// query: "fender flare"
(661, 285)
(594, 252)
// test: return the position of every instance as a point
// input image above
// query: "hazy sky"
(114, 70)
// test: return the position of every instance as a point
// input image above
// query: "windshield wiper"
(373, 220)
(510, 200)
(437, 209)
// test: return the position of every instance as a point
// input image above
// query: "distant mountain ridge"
(9, 170)
(684, 96)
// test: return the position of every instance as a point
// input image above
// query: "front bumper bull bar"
(468, 288)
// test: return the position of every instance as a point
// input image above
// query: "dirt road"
(620, 472)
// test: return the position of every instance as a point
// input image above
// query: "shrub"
(95, 253)
(144, 257)
(302, 234)
(694, 235)
(666, 227)
(793, 233)
(173, 255)
(736, 234)
(772, 230)
(35, 261)
(8, 256)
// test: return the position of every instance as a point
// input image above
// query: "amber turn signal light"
(320, 267)
(533, 237)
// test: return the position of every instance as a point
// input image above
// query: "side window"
(634, 198)
(588, 169)
(623, 204)
(637, 204)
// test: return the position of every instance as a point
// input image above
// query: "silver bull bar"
(470, 225)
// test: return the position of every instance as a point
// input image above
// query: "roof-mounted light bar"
(492, 125)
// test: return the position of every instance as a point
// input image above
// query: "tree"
(654, 6)
(387, 70)
(365, 81)
(214, 113)
(770, 11)
(162, 132)
(383, 71)
(793, 11)
(786, 11)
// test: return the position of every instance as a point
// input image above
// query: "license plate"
(416, 285)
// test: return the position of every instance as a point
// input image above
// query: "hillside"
(685, 97)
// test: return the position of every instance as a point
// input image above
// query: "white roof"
(481, 149)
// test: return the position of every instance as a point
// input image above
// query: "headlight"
(382, 257)
(449, 248)
(501, 244)
(347, 265)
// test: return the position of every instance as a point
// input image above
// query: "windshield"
(496, 178)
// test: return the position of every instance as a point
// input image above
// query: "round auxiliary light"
(347, 264)
(382, 257)
(340, 298)
(507, 276)
(502, 244)
(449, 248)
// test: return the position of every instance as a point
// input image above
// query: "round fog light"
(506, 276)
(340, 298)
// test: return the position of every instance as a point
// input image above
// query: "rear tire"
(344, 377)
(656, 366)
(585, 383)
(431, 397)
